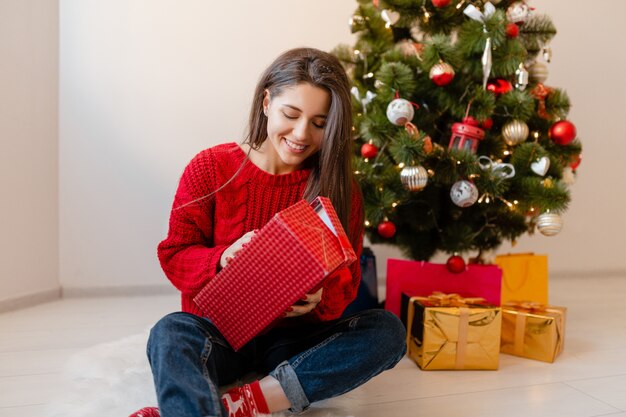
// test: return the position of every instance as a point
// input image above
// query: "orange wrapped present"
(533, 330)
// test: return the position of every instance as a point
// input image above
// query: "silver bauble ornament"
(414, 178)
(549, 224)
(400, 111)
(538, 72)
(463, 193)
(356, 23)
(515, 132)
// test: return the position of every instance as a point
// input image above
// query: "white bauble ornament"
(515, 132)
(414, 178)
(549, 224)
(538, 72)
(400, 111)
(463, 193)
(518, 12)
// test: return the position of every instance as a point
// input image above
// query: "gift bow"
(474, 13)
(369, 96)
(440, 299)
(530, 307)
(502, 170)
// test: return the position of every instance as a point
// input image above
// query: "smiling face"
(295, 127)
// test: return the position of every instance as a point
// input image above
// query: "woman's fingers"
(310, 302)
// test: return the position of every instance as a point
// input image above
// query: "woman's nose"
(301, 129)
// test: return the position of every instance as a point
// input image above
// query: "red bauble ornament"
(440, 3)
(441, 74)
(369, 151)
(455, 264)
(387, 229)
(562, 132)
(576, 161)
(487, 123)
(499, 86)
(512, 30)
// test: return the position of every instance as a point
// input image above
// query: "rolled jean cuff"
(288, 380)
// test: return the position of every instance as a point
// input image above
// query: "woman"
(298, 146)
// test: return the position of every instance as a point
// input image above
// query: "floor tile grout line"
(594, 398)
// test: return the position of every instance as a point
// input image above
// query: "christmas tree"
(461, 145)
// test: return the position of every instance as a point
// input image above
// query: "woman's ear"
(266, 100)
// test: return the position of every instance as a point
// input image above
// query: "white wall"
(144, 85)
(28, 160)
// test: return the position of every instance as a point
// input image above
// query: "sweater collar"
(256, 174)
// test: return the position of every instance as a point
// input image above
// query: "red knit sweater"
(200, 232)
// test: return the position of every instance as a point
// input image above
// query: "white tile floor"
(588, 379)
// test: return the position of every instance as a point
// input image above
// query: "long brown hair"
(331, 174)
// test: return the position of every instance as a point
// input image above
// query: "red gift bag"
(420, 278)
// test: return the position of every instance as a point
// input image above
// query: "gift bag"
(367, 294)
(524, 277)
(420, 278)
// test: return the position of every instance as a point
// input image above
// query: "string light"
(458, 6)
(368, 75)
(401, 165)
(367, 223)
(506, 153)
(394, 205)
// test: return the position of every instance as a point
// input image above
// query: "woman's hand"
(307, 304)
(232, 250)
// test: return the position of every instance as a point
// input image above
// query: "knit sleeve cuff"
(214, 259)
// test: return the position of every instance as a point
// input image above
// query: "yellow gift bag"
(524, 277)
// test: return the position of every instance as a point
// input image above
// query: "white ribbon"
(474, 13)
(369, 96)
(499, 169)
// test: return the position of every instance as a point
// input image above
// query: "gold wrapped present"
(446, 331)
(533, 330)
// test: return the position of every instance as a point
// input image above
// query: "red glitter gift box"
(286, 259)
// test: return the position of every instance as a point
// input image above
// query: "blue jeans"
(190, 359)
